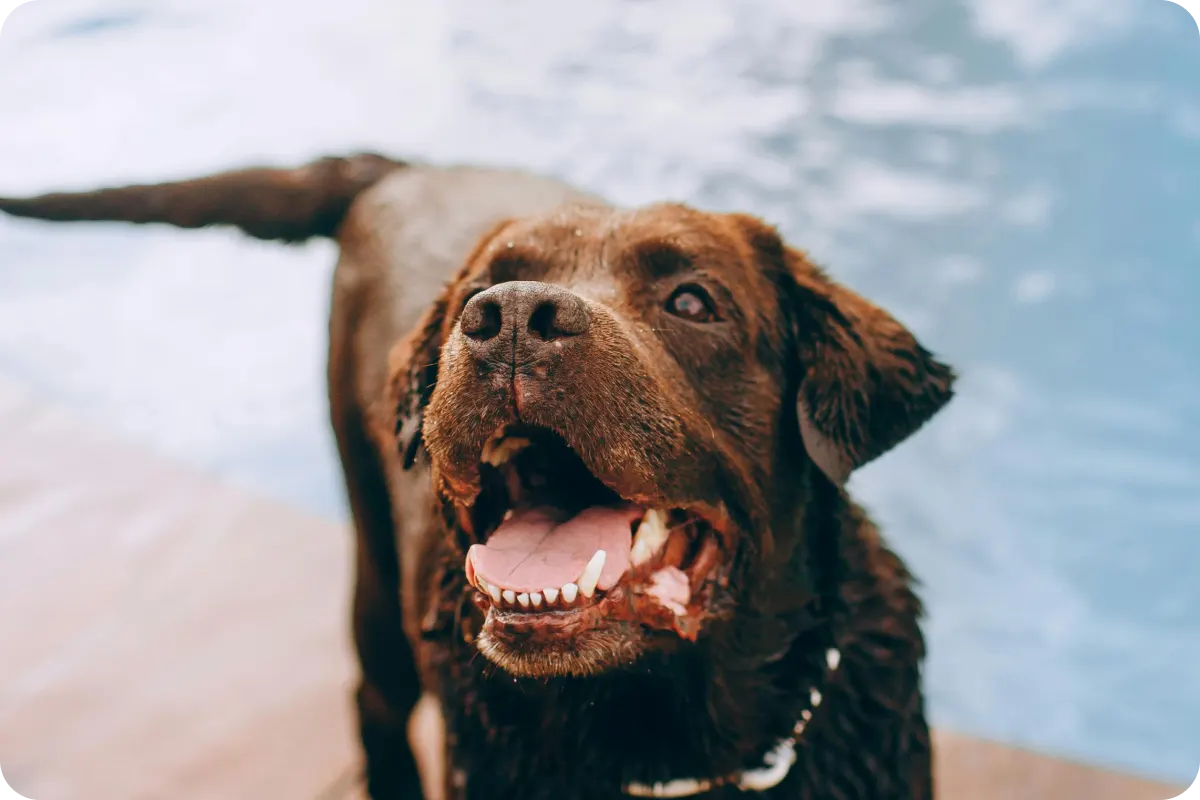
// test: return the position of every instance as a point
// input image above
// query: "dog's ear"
(865, 383)
(413, 361)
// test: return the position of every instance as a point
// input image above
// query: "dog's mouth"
(559, 547)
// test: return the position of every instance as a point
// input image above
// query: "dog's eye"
(691, 303)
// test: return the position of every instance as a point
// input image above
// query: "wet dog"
(596, 460)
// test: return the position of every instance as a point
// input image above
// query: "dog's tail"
(288, 205)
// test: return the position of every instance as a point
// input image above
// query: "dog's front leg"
(386, 696)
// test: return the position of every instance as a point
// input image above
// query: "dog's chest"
(517, 742)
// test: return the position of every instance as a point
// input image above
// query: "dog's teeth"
(591, 574)
(536, 599)
(523, 599)
(815, 698)
(551, 596)
(569, 593)
(651, 535)
(469, 565)
(494, 591)
(508, 515)
(498, 452)
(509, 596)
(833, 658)
(640, 553)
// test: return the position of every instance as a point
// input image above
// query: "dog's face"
(627, 416)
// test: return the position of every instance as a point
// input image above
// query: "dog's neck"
(708, 714)
(775, 765)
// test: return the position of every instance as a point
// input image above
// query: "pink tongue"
(536, 549)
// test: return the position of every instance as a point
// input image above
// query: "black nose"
(525, 312)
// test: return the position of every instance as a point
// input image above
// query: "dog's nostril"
(552, 320)
(481, 319)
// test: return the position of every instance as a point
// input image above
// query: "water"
(1015, 179)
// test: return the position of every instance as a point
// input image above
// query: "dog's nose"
(524, 312)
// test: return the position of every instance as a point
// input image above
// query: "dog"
(596, 459)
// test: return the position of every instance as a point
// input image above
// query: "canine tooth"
(523, 599)
(640, 553)
(833, 658)
(569, 593)
(551, 596)
(651, 535)
(591, 574)
(536, 599)
(494, 591)
(510, 596)
(815, 697)
(499, 452)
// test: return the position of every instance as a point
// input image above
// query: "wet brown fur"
(755, 421)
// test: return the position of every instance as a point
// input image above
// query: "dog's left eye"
(692, 303)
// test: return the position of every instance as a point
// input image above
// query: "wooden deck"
(164, 636)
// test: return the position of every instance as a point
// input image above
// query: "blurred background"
(1015, 179)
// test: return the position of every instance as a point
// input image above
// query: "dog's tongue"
(539, 548)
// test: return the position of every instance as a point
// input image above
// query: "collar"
(777, 763)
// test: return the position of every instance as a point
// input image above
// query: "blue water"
(1016, 179)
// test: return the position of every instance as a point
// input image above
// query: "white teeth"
(651, 535)
(569, 593)
(833, 658)
(469, 566)
(591, 574)
(815, 698)
(584, 587)
(499, 451)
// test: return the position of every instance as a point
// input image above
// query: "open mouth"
(556, 542)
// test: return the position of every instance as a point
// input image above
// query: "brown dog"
(598, 484)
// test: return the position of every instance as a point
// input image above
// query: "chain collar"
(776, 764)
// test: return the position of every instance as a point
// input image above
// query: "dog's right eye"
(692, 303)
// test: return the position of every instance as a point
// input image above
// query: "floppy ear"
(413, 362)
(866, 384)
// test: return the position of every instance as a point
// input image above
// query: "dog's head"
(628, 415)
